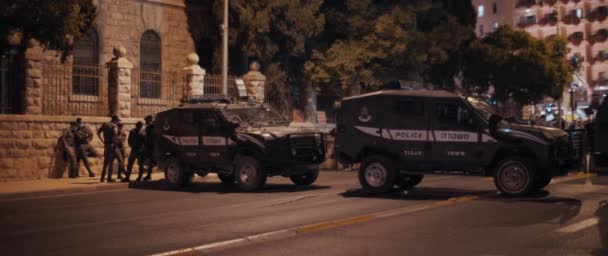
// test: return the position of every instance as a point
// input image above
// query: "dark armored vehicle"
(242, 143)
(398, 136)
(600, 143)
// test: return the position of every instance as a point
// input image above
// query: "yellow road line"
(333, 224)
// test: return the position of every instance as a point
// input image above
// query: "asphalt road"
(446, 215)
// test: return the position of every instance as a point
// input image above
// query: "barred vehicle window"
(150, 65)
(85, 71)
(409, 108)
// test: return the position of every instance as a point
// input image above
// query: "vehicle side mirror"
(493, 123)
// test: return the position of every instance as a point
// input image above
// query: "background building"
(583, 22)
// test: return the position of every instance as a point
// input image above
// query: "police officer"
(109, 140)
(136, 142)
(84, 135)
(148, 147)
(120, 150)
(69, 143)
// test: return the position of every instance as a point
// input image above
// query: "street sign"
(240, 85)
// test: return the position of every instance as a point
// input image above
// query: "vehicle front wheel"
(249, 174)
(307, 178)
(226, 178)
(514, 176)
(175, 173)
(410, 180)
(377, 174)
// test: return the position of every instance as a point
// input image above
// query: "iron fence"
(74, 89)
(153, 91)
(10, 85)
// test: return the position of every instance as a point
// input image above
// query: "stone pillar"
(119, 83)
(255, 82)
(33, 79)
(195, 78)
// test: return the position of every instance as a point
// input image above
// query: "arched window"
(85, 68)
(150, 65)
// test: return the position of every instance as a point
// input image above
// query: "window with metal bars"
(150, 65)
(85, 70)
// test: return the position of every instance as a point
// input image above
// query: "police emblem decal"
(364, 116)
(166, 126)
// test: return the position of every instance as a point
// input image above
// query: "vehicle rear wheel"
(541, 181)
(307, 178)
(514, 176)
(249, 173)
(410, 180)
(175, 173)
(226, 178)
(377, 174)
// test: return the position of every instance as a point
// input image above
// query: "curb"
(61, 191)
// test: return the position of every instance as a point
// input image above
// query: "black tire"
(377, 174)
(307, 178)
(410, 180)
(176, 174)
(514, 176)
(226, 178)
(541, 181)
(249, 174)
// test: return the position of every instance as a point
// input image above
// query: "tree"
(47, 21)
(277, 33)
(517, 65)
(384, 41)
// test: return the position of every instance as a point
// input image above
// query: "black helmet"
(115, 118)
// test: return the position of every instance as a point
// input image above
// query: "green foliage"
(277, 33)
(47, 21)
(390, 40)
(517, 65)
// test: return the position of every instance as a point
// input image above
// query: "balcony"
(549, 19)
(576, 38)
(571, 19)
(548, 2)
(525, 3)
(572, 1)
(599, 14)
(600, 57)
(527, 21)
(600, 36)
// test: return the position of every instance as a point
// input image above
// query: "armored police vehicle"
(600, 143)
(398, 136)
(241, 142)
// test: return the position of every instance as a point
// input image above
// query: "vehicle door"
(213, 138)
(410, 130)
(188, 134)
(455, 135)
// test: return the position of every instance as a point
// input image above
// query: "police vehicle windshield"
(254, 117)
(483, 107)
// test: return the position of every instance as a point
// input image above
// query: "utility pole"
(225, 50)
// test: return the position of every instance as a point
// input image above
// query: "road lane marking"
(333, 224)
(316, 227)
(579, 225)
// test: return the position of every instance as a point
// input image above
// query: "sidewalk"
(11, 190)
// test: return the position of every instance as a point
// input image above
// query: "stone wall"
(122, 23)
(27, 145)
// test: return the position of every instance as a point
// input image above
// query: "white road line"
(579, 225)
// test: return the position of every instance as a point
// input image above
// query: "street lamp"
(225, 50)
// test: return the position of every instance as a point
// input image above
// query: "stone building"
(583, 22)
(131, 63)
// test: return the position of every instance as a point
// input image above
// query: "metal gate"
(10, 85)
